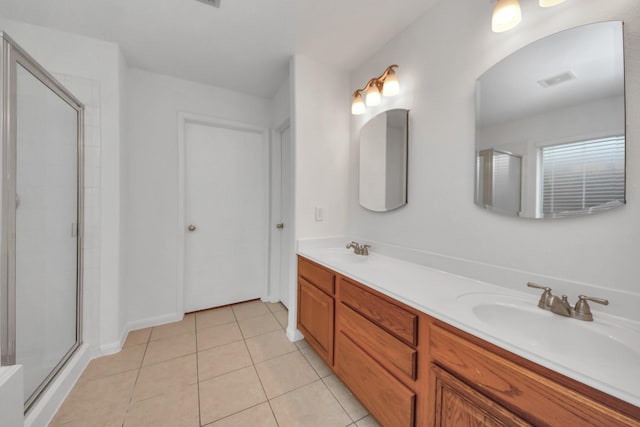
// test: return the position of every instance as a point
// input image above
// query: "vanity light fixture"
(386, 84)
(507, 13)
(550, 3)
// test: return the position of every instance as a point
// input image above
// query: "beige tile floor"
(231, 366)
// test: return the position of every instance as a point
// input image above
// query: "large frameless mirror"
(383, 161)
(550, 126)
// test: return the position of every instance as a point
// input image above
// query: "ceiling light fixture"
(507, 13)
(387, 85)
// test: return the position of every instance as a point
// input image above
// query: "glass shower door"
(46, 227)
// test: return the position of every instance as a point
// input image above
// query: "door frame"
(184, 119)
(274, 259)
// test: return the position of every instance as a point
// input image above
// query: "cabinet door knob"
(280, 226)
(191, 227)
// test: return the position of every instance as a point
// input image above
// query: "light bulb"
(357, 106)
(550, 3)
(506, 15)
(372, 95)
(391, 86)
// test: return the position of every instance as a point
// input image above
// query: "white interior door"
(286, 207)
(225, 259)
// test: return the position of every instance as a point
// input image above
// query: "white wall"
(281, 104)
(440, 57)
(153, 103)
(321, 134)
(122, 214)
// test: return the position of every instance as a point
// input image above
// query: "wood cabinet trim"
(396, 356)
(533, 397)
(388, 399)
(323, 278)
(488, 409)
(381, 310)
(320, 320)
(603, 398)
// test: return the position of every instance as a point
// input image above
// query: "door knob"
(191, 227)
(280, 226)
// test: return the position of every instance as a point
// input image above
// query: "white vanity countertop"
(613, 369)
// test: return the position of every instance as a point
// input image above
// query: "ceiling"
(245, 45)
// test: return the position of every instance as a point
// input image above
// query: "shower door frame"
(12, 56)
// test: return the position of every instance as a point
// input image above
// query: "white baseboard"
(293, 334)
(153, 321)
(116, 346)
(270, 298)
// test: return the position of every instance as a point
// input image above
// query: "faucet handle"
(594, 299)
(365, 249)
(546, 297)
(582, 309)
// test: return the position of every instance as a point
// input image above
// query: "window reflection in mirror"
(383, 161)
(550, 126)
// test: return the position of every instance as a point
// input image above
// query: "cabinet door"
(315, 319)
(458, 405)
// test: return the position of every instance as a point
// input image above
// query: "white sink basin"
(525, 324)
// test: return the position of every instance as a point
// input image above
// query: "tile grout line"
(231, 415)
(195, 326)
(126, 413)
(338, 400)
(253, 363)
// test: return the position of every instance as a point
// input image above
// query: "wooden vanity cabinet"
(456, 404)
(477, 379)
(376, 352)
(410, 370)
(316, 305)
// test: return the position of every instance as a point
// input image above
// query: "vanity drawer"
(320, 277)
(395, 355)
(391, 317)
(388, 400)
(535, 398)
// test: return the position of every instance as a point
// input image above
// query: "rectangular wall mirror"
(383, 161)
(550, 126)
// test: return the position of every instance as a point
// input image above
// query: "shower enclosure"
(41, 128)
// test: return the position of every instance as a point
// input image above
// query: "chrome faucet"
(359, 249)
(561, 306)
